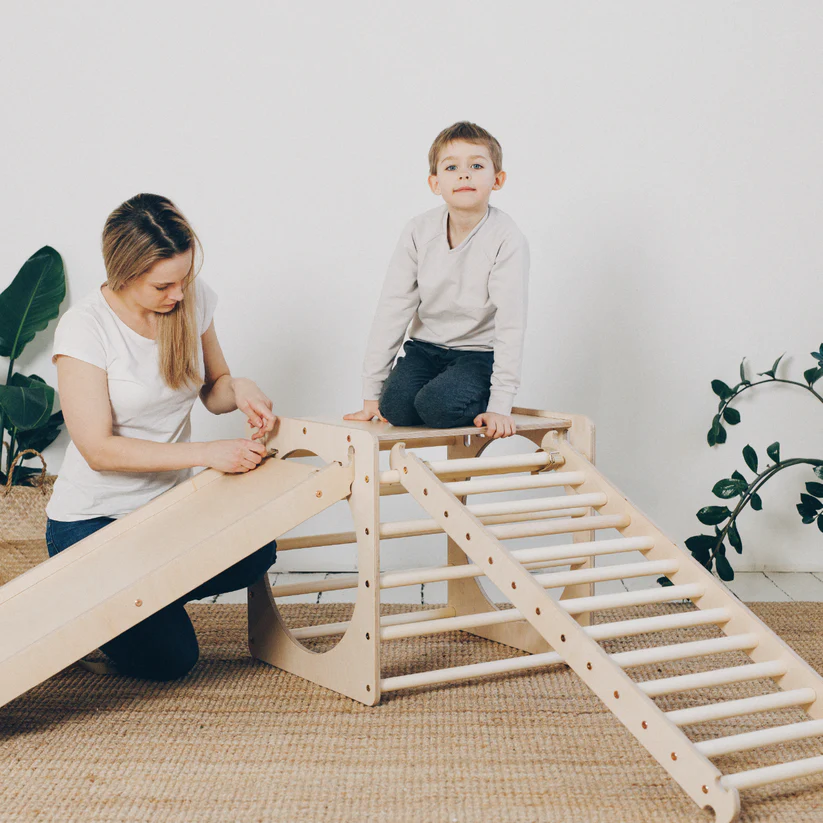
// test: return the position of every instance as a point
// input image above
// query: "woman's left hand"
(255, 405)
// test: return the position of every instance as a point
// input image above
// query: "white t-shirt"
(142, 407)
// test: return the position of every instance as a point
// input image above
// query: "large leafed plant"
(27, 306)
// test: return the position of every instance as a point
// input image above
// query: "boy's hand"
(369, 411)
(497, 425)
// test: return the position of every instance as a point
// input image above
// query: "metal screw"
(367, 478)
(138, 603)
(304, 431)
(367, 531)
(537, 611)
(645, 725)
(367, 636)
(405, 469)
(491, 561)
(617, 695)
(319, 494)
(562, 638)
(705, 789)
(674, 755)
(514, 585)
(425, 491)
(348, 438)
(589, 666)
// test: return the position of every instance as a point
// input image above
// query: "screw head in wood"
(425, 491)
(368, 584)
(304, 431)
(562, 638)
(468, 536)
(589, 666)
(514, 585)
(537, 610)
(445, 514)
(674, 755)
(367, 478)
(319, 494)
(405, 469)
(348, 438)
(491, 561)
(617, 695)
(368, 636)
(368, 687)
(367, 531)
(705, 789)
(645, 725)
(138, 603)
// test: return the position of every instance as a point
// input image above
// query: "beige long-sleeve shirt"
(471, 297)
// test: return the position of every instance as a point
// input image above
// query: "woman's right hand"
(234, 456)
(369, 411)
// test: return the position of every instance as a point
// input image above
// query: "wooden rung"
(748, 705)
(511, 664)
(659, 623)
(330, 629)
(503, 484)
(514, 531)
(717, 677)
(602, 631)
(772, 774)
(684, 651)
(762, 737)
(575, 606)
(601, 574)
(539, 504)
(472, 466)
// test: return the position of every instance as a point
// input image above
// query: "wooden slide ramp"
(554, 631)
(68, 606)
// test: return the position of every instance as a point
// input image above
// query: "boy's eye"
(476, 166)
(451, 168)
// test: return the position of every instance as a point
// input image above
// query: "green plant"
(710, 550)
(27, 306)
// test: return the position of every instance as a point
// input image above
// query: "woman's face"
(160, 289)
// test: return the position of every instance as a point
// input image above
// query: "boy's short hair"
(471, 133)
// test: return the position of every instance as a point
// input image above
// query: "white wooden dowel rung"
(762, 737)
(574, 606)
(330, 629)
(601, 574)
(503, 484)
(685, 651)
(737, 708)
(511, 664)
(717, 677)
(660, 623)
(539, 504)
(772, 774)
(469, 466)
(513, 531)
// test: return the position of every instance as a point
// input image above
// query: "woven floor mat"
(238, 740)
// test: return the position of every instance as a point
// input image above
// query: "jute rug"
(238, 740)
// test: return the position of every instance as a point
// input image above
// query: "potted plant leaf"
(27, 421)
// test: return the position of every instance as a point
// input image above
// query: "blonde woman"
(132, 358)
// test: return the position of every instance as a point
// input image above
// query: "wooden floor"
(748, 586)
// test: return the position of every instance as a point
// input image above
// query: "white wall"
(664, 160)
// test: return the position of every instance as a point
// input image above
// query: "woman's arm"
(84, 398)
(223, 393)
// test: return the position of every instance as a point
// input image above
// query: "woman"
(131, 360)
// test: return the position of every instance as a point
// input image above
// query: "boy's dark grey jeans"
(437, 387)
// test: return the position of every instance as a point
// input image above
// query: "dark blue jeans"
(164, 645)
(437, 387)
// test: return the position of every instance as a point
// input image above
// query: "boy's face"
(465, 175)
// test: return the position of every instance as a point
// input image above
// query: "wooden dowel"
(601, 631)
(503, 484)
(717, 677)
(659, 623)
(583, 524)
(601, 574)
(737, 708)
(330, 629)
(685, 651)
(575, 606)
(511, 664)
(471, 466)
(762, 737)
(539, 504)
(772, 774)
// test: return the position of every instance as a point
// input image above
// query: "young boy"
(460, 275)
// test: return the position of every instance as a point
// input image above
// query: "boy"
(460, 275)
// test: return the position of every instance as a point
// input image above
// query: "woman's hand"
(255, 405)
(497, 425)
(369, 411)
(234, 456)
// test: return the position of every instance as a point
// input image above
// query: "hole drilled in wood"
(367, 531)
(445, 514)
(491, 561)
(425, 491)
(368, 688)
(348, 438)
(468, 536)
(514, 585)
(368, 636)
(562, 638)
(368, 584)
(589, 666)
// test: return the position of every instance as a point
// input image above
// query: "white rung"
(513, 531)
(511, 664)
(601, 574)
(763, 737)
(772, 774)
(748, 705)
(574, 606)
(591, 548)
(660, 623)
(330, 629)
(470, 466)
(539, 504)
(503, 484)
(684, 651)
(717, 677)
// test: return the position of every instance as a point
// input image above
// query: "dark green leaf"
(774, 451)
(31, 301)
(664, 581)
(700, 542)
(772, 372)
(725, 489)
(808, 513)
(815, 488)
(43, 436)
(737, 476)
(811, 503)
(27, 401)
(711, 436)
(820, 522)
(757, 503)
(734, 538)
(818, 470)
(710, 515)
(731, 416)
(813, 375)
(721, 389)
(721, 435)
(743, 378)
(724, 569)
(750, 456)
